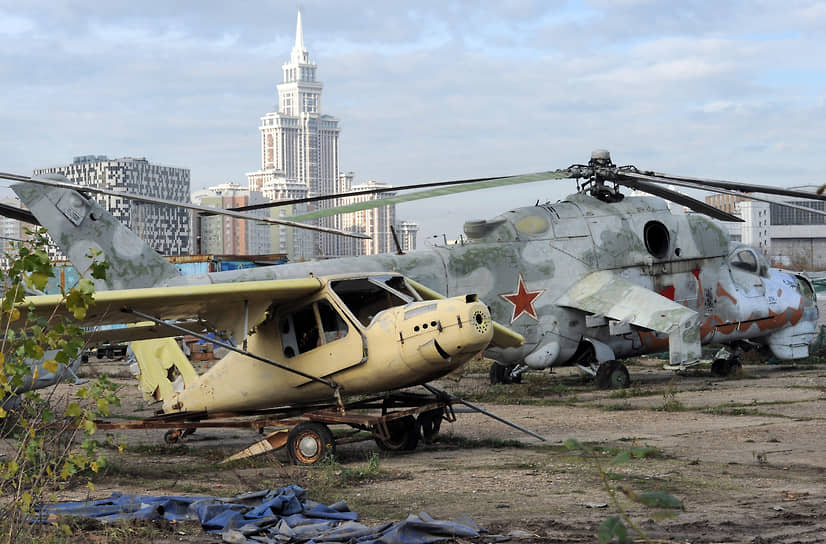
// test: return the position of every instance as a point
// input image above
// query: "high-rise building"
(222, 235)
(299, 144)
(11, 232)
(375, 222)
(300, 158)
(407, 231)
(165, 228)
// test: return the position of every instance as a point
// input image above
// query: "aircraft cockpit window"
(745, 259)
(311, 326)
(398, 284)
(366, 298)
(333, 326)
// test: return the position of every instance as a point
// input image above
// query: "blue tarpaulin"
(271, 516)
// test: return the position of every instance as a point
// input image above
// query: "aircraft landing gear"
(726, 363)
(726, 367)
(310, 442)
(429, 424)
(404, 435)
(612, 375)
(504, 374)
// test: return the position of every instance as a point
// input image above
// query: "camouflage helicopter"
(589, 280)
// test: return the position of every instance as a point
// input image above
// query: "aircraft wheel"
(720, 367)
(310, 442)
(725, 367)
(404, 435)
(172, 436)
(502, 374)
(612, 375)
(429, 424)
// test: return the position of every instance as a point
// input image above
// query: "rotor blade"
(439, 191)
(153, 200)
(20, 214)
(679, 198)
(741, 187)
(372, 191)
(751, 196)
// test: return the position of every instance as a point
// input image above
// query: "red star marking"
(522, 300)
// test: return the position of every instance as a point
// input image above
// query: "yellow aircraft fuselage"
(345, 340)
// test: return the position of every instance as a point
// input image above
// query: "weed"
(634, 391)
(670, 401)
(616, 527)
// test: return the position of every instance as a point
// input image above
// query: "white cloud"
(425, 91)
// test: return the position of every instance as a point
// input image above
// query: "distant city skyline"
(428, 92)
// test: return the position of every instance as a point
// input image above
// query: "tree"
(48, 441)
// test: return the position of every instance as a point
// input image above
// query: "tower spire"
(299, 53)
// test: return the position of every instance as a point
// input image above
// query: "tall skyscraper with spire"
(300, 157)
(299, 144)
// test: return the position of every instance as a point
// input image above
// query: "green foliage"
(50, 438)
(615, 528)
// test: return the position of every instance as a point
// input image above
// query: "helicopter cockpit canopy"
(747, 259)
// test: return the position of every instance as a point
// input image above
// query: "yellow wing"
(221, 306)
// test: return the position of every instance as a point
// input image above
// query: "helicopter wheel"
(502, 374)
(612, 375)
(428, 424)
(726, 367)
(310, 442)
(404, 435)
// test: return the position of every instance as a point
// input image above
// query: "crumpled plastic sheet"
(279, 516)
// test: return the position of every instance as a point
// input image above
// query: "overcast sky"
(426, 90)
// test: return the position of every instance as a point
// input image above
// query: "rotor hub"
(599, 170)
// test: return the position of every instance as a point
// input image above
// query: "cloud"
(425, 91)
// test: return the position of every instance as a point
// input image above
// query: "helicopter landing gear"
(726, 367)
(612, 375)
(726, 363)
(404, 435)
(506, 373)
(310, 442)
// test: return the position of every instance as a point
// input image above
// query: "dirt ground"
(744, 454)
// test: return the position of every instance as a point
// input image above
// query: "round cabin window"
(657, 239)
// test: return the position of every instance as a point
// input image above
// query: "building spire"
(299, 32)
(299, 53)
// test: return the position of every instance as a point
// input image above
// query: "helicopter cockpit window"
(745, 259)
(366, 297)
(311, 326)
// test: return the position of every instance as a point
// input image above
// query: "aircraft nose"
(448, 330)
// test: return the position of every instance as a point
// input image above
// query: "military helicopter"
(592, 279)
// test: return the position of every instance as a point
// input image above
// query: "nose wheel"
(503, 374)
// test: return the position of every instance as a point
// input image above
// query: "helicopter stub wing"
(606, 294)
(224, 306)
